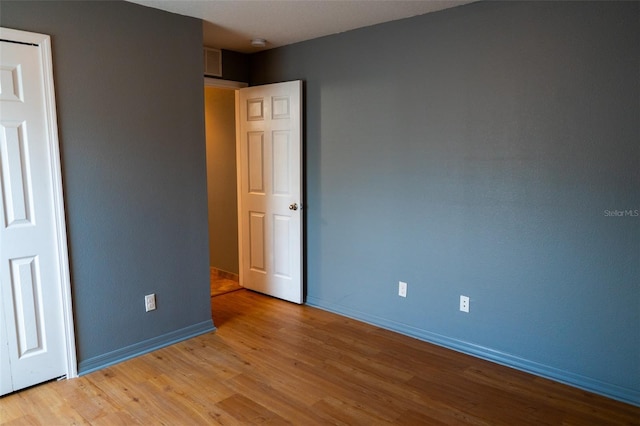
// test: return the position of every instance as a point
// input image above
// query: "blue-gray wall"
(477, 151)
(129, 92)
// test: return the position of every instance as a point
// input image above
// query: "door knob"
(293, 206)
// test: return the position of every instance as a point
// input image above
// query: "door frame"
(43, 42)
(236, 86)
(224, 84)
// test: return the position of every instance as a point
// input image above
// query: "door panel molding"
(270, 189)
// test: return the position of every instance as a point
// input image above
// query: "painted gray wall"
(476, 151)
(220, 124)
(128, 83)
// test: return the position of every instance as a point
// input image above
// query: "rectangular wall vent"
(212, 62)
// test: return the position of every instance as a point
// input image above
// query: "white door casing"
(36, 329)
(269, 154)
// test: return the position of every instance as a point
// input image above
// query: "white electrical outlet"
(402, 289)
(464, 303)
(150, 302)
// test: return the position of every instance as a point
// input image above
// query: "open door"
(269, 156)
(36, 325)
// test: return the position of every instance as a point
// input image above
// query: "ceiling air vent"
(212, 62)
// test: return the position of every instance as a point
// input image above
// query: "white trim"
(223, 84)
(44, 44)
(239, 189)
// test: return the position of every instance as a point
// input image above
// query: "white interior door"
(270, 189)
(33, 257)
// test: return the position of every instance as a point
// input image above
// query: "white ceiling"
(231, 24)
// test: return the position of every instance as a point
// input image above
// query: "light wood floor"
(271, 362)
(221, 283)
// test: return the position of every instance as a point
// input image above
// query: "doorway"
(220, 132)
(265, 144)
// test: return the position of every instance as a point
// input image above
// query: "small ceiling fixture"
(258, 42)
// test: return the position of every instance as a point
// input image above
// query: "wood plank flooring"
(222, 282)
(271, 362)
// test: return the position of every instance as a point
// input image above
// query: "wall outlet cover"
(150, 302)
(402, 289)
(464, 304)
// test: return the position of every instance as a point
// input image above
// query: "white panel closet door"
(270, 189)
(32, 329)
